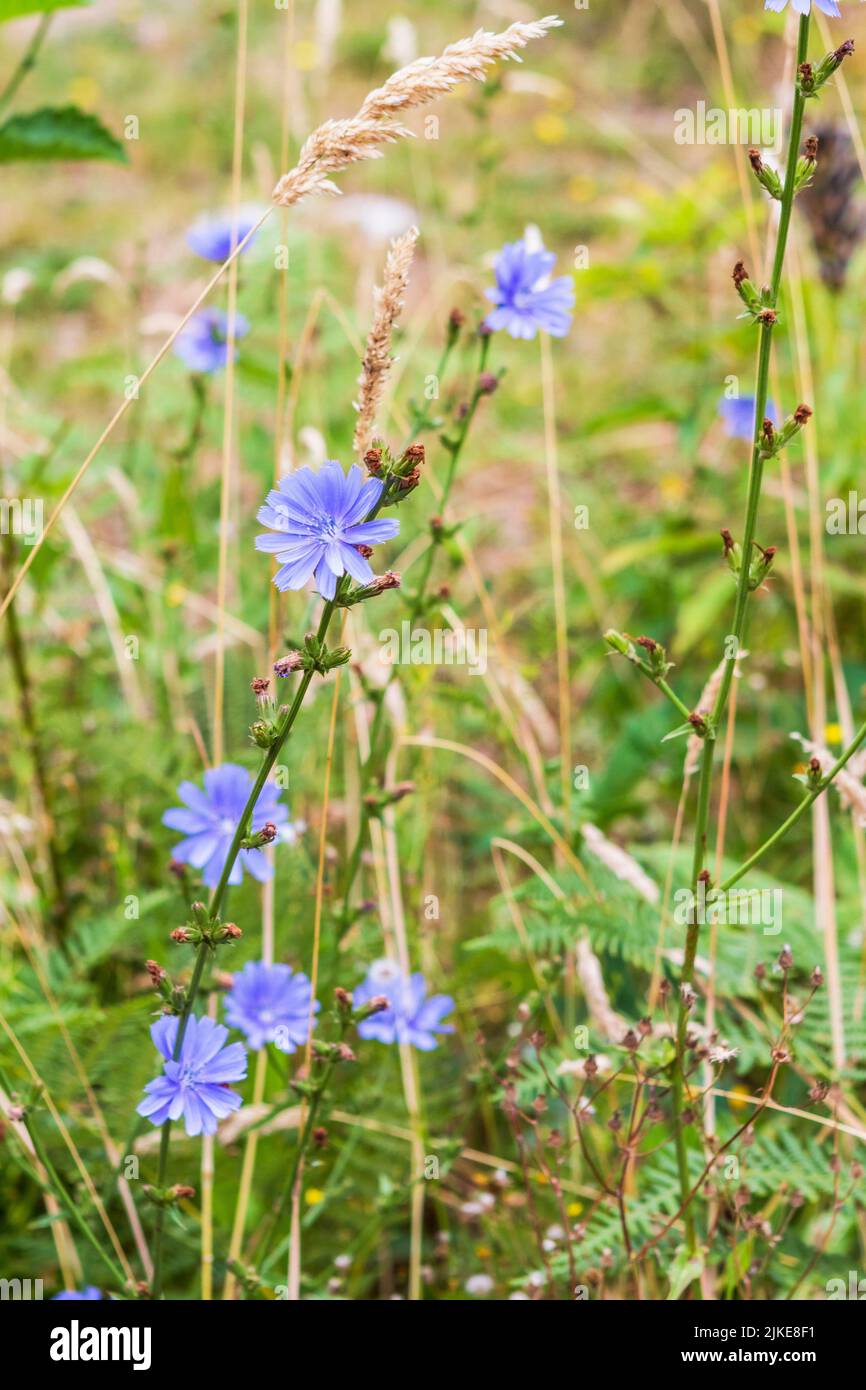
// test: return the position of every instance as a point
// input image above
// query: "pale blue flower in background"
(202, 343)
(410, 1017)
(526, 298)
(210, 236)
(738, 414)
(270, 1003)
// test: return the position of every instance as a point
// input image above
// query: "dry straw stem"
(334, 146)
(387, 304)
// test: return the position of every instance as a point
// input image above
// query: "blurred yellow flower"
(738, 1091)
(673, 487)
(574, 1208)
(306, 55)
(832, 733)
(313, 1196)
(549, 128)
(175, 594)
(483, 1252)
(580, 188)
(84, 92)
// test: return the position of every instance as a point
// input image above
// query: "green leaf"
(684, 1270)
(58, 133)
(12, 9)
(678, 732)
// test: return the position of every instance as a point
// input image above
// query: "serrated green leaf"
(58, 133)
(13, 9)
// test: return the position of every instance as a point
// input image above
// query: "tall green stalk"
(756, 472)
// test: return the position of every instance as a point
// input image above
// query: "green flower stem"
(300, 1150)
(27, 62)
(740, 610)
(371, 766)
(798, 812)
(214, 906)
(672, 696)
(219, 891)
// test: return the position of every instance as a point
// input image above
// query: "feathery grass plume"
(337, 144)
(852, 792)
(387, 304)
(621, 864)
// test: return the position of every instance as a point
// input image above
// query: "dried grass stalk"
(387, 303)
(705, 706)
(337, 144)
(619, 862)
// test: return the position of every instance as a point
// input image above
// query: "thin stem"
(740, 610)
(27, 62)
(798, 812)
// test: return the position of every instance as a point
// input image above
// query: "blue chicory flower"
(197, 1085)
(211, 235)
(526, 298)
(320, 521)
(828, 7)
(91, 1294)
(209, 819)
(202, 343)
(410, 1017)
(270, 1003)
(738, 414)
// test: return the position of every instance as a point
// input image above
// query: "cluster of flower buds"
(400, 475)
(765, 174)
(773, 441)
(759, 308)
(315, 656)
(173, 996)
(265, 730)
(379, 585)
(760, 563)
(257, 839)
(806, 164)
(347, 1012)
(811, 77)
(813, 776)
(202, 928)
(456, 320)
(655, 664)
(168, 1196)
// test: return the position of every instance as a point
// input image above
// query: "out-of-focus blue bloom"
(411, 1017)
(270, 1003)
(828, 7)
(91, 1294)
(526, 298)
(738, 414)
(196, 1086)
(320, 518)
(202, 343)
(211, 235)
(209, 819)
